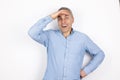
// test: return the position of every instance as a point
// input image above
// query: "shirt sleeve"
(96, 53)
(37, 33)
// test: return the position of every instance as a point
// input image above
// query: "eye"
(59, 18)
(67, 17)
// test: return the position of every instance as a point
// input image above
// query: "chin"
(63, 31)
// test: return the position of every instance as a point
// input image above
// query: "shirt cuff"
(86, 70)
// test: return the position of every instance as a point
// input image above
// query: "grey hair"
(65, 8)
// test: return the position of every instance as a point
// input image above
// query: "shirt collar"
(72, 31)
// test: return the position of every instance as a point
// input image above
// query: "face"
(65, 21)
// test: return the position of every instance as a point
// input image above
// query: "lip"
(63, 26)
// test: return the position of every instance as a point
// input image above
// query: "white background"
(21, 58)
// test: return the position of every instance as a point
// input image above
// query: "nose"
(63, 21)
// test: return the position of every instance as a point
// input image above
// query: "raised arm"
(37, 33)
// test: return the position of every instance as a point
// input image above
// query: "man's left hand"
(82, 74)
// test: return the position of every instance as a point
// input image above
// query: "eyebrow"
(65, 15)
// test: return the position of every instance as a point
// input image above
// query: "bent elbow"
(30, 33)
(102, 55)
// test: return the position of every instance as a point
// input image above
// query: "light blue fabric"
(65, 55)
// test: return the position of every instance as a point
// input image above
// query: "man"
(66, 47)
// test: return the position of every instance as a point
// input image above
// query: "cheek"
(59, 23)
(70, 23)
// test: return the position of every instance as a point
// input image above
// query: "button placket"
(66, 61)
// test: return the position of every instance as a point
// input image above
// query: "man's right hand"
(56, 14)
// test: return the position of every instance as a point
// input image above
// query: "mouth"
(64, 26)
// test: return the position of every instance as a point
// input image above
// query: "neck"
(67, 33)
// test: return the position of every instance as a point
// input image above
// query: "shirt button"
(65, 76)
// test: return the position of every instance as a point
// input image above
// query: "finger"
(63, 12)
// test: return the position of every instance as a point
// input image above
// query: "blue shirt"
(65, 55)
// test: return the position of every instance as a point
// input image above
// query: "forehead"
(65, 13)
